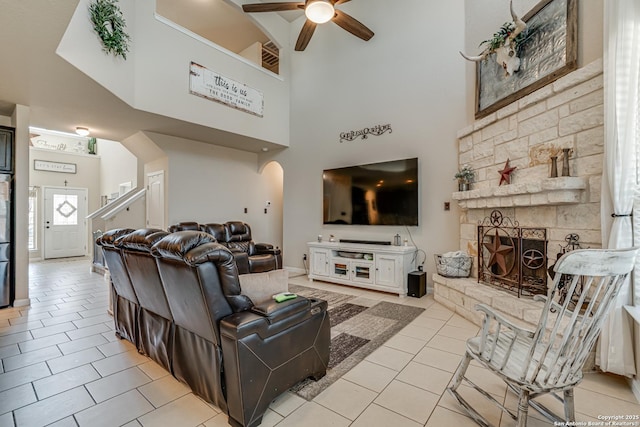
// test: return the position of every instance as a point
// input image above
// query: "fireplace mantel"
(549, 191)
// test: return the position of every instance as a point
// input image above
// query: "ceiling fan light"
(319, 11)
(82, 131)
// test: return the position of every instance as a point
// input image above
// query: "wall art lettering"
(376, 130)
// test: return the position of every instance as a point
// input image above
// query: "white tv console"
(379, 267)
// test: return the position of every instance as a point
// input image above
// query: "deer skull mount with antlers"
(504, 44)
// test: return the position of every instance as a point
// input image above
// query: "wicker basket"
(459, 266)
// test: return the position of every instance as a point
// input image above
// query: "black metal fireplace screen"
(512, 257)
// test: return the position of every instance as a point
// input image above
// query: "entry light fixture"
(319, 11)
(82, 131)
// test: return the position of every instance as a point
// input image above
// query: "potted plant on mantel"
(465, 177)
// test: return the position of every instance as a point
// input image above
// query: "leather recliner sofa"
(155, 321)
(233, 353)
(251, 257)
(126, 307)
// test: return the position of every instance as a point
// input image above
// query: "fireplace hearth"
(511, 257)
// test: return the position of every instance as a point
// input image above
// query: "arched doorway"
(273, 178)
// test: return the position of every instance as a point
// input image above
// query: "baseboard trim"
(296, 270)
(22, 302)
(635, 387)
(100, 269)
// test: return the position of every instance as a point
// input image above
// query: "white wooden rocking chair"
(550, 358)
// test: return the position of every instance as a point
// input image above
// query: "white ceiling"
(60, 97)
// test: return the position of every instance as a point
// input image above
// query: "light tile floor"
(63, 366)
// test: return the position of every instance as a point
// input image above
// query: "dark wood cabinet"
(6, 149)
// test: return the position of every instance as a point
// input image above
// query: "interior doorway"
(270, 225)
(65, 224)
(155, 200)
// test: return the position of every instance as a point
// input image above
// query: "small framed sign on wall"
(45, 165)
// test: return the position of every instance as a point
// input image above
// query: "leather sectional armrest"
(266, 248)
(267, 320)
(276, 311)
(242, 261)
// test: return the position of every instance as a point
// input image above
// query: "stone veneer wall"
(568, 113)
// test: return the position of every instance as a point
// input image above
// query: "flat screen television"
(383, 193)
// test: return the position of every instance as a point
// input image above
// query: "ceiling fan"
(317, 12)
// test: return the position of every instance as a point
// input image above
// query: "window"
(65, 209)
(636, 197)
(33, 205)
(636, 208)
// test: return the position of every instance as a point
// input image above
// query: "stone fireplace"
(566, 114)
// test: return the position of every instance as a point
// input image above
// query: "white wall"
(155, 75)
(409, 75)
(120, 166)
(253, 53)
(211, 184)
(132, 217)
(83, 49)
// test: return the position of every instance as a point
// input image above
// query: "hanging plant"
(109, 24)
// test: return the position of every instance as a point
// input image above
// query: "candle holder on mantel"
(554, 167)
(566, 154)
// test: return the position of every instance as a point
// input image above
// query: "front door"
(65, 225)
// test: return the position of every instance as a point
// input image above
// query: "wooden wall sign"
(215, 87)
(548, 53)
(47, 166)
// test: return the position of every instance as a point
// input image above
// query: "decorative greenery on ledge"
(109, 24)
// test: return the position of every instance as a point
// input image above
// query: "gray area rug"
(358, 327)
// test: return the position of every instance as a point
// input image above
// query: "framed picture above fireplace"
(547, 48)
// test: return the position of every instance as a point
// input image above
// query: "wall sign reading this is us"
(215, 87)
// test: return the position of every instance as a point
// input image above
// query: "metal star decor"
(498, 252)
(505, 173)
(533, 258)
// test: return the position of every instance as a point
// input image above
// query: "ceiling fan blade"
(337, 2)
(352, 25)
(272, 7)
(305, 35)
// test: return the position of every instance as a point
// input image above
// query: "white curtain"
(619, 186)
